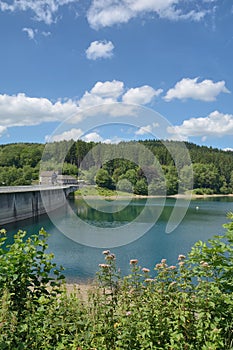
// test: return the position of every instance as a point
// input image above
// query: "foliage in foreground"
(187, 306)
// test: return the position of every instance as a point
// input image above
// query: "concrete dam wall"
(23, 202)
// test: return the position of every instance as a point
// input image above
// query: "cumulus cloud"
(73, 134)
(102, 93)
(30, 32)
(141, 95)
(100, 49)
(44, 10)
(95, 137)
(205, 90)
(144, 130)
(111, 89)
(89, 100)
(105, 13)
(215, 124)
(21, 110)
(147, 129)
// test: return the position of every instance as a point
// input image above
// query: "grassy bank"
(93, 191)
(98, 192)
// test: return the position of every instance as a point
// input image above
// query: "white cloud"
(215, 124)
(205, 90)
(90, 100)
(30, 32)
(112, 109)
(105, 13)
(73, 134)
(111, 89)
(100, 49)
(102, 93)
(144, 130)
(147, 129)
(21, 110)
(44, 10)
(141, 95)
(228, 149)
(95, 137)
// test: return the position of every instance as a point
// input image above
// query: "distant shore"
(135, 196)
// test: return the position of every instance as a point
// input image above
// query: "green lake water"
(204, 218)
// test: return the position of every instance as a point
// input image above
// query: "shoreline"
(176, 196)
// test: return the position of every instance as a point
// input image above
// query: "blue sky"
(61, 57)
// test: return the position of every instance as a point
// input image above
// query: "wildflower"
(172, 267)
(106, 252)
(181, 257)
(163, 261)
(149, 280)
(144, 269)
(110, 257)
(133, 261)
(128, 313)
(204, 264)
(158, 266)
(181, 263)
(104, 266)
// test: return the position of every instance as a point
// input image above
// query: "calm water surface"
(81, 262)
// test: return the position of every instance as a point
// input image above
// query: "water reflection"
(81, 261)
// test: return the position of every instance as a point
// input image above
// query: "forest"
(154, 167)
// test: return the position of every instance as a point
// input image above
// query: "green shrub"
(185, 306)
(203, 191)
(26, 285)
(141, 187)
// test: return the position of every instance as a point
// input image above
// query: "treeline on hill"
(150, 166)
(19, 163)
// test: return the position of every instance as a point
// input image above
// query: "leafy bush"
(124, 185)
(185, 306)
(141, 187)
(103, 179)
(25, 277)
(203, 191)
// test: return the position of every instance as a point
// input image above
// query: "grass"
(92, 190)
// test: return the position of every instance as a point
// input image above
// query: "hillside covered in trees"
(151, 166)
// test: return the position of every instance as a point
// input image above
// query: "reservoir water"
(204, 219)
